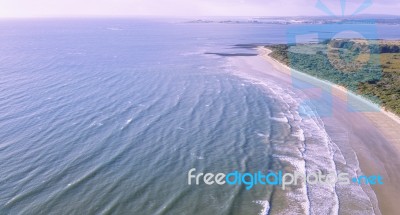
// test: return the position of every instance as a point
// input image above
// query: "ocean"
(107, 116)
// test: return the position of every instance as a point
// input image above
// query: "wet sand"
(374, 136)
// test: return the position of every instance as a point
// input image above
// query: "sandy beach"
(374, 136)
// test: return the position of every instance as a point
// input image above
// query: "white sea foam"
(280, 119)
(265, 205)
(299, 134)
(261, 134)
(314, 151)
(114, 29)
(198, 157)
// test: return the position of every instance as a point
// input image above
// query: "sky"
(188, 8)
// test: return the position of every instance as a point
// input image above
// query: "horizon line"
(188, 17)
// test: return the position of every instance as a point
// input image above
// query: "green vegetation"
(368, 67)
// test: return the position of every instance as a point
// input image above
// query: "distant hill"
(378, 19)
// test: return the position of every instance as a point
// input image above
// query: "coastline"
(373, 136)
(342, 93)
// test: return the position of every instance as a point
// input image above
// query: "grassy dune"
(368, 67)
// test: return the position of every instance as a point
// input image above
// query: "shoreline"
(342, 93)
(373, 136)
(343, 89)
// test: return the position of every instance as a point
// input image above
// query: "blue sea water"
(107, 116)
